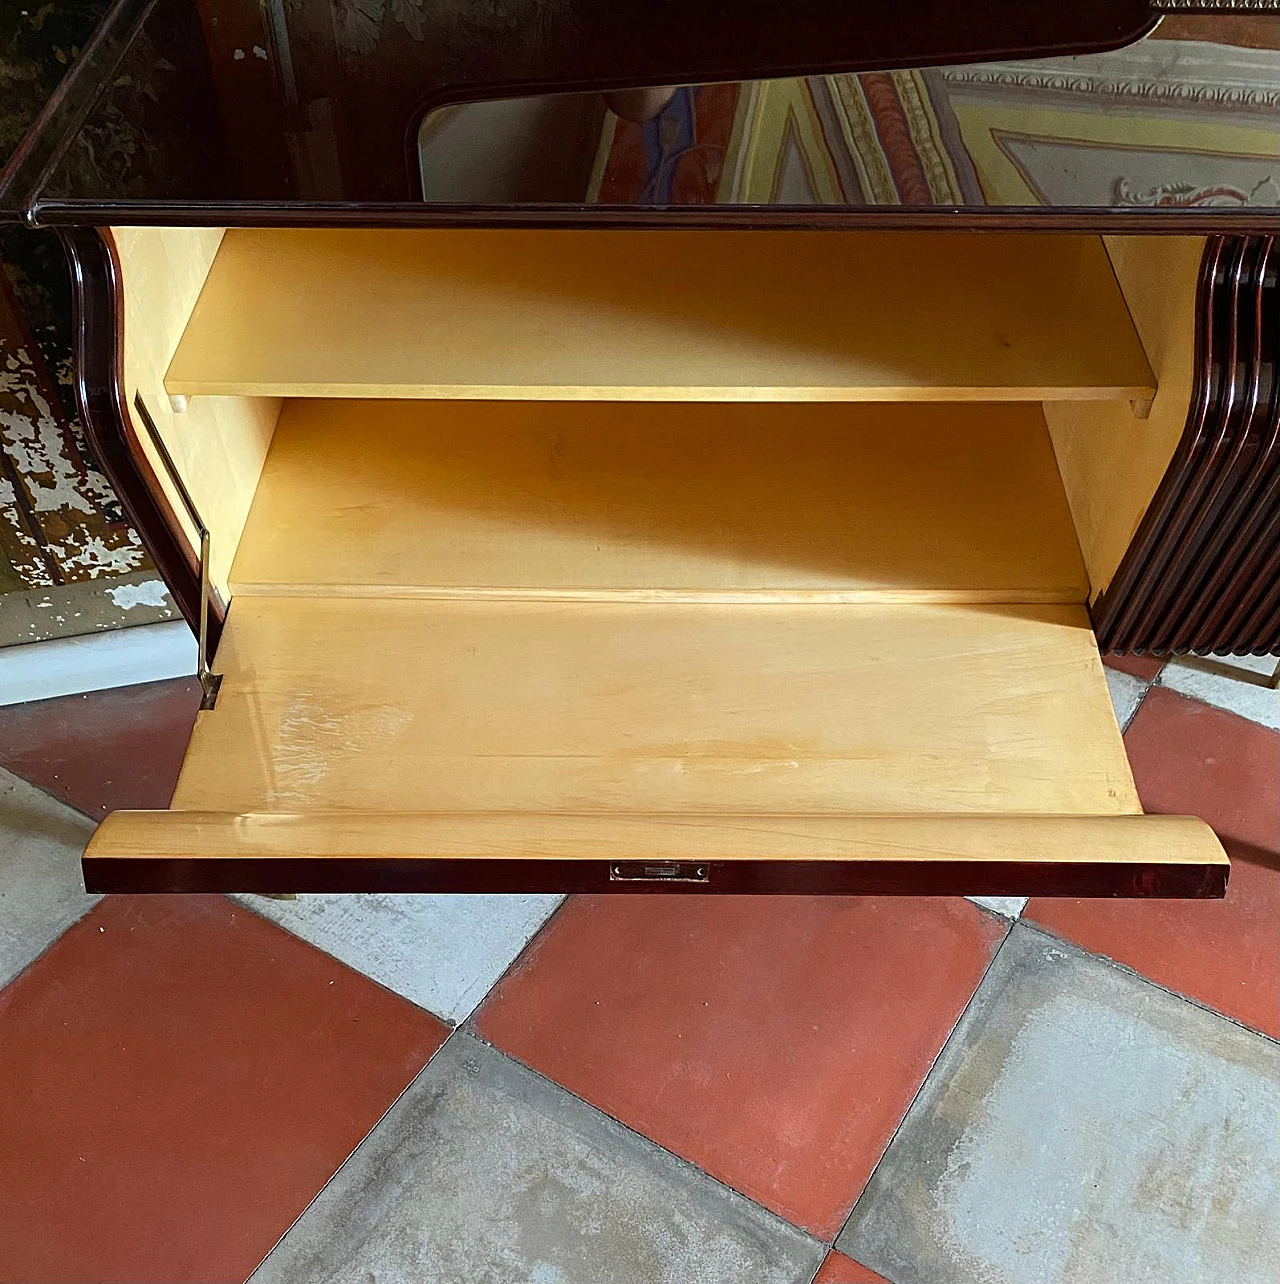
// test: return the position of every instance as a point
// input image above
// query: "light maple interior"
(866, 503)
(582, 530)
(666, 316)
(405, 705)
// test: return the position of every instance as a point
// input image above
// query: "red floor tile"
(1145, 667)
(180, 1079)
(775, 1042)
(839, 1269)
(1189, 758)
(106, 749)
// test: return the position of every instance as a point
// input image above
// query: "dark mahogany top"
(1075, 113)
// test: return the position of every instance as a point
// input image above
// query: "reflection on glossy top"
(519, 103)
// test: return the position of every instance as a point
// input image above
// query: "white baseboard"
(119, 658)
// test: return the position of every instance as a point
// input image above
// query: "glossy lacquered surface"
(1203, 571)
(534, 110)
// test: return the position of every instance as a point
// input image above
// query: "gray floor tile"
(1081, 1127)
(41, 891)
(441, 952)
(1126, 694)
(1007, 906)
(1215, 685)
(485, 1173)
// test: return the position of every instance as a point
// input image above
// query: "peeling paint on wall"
(60, 523)
(147, 593)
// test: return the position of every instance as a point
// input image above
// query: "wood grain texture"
(1111, 461)
(219, 443)
(980, 839)
(395, 705)
(678, 316)
(632, 500)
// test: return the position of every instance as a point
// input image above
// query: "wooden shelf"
(665, 316)
(528, 746)
(947, 503)
(389, 705)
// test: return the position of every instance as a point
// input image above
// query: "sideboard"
(675, 448)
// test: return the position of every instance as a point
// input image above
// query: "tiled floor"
(1192, 759)
(512, 1090)
(104, 751)
(1081, 1125)
(775, 1042)
(839, 1269)
(181, 1078)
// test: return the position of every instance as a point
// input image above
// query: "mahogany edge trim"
(100, 395)
(1140, 593)
(118, 874)
(956, 218)
(1124, 598)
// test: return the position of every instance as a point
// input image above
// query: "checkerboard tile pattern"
(1192, 759)
(1081, 1125)
(484, 1170)
(181, 1077)
(442, 952)
(703, 1090)
(775, 1042)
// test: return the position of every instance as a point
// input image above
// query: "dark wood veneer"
(904, 218)
(104, 410)
(765, 877)
(1236, 494)
(361, 94)
(1203, 572)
